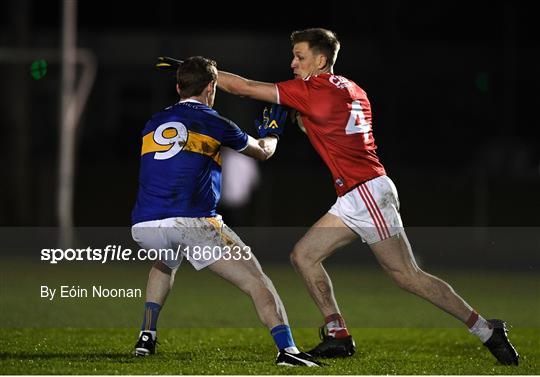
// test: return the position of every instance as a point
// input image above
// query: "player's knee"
(308, 254)
(305, 254)
(258, 285)
(403, 281)
(299, 256)
(408, 279)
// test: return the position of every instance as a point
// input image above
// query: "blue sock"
(151, 314)
(282, 336)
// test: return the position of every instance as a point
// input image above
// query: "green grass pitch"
(209, 327)
(250, 351)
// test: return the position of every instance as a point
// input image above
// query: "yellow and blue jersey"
(180, 172)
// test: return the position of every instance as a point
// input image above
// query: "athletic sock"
(283, 338)
(335, 324)
(479, 326)
(151, 314)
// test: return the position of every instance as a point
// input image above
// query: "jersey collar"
(190, 100)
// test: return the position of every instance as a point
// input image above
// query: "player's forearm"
(241, 86)
(232, 83)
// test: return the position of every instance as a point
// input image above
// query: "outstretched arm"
(243, 87)
(230, 83)
(261, 149)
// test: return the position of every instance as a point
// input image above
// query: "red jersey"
(336, 114)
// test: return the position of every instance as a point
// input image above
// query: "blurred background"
(454, 94)
(453, 88)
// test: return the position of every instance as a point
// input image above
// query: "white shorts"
(371, 210)
(188, 237)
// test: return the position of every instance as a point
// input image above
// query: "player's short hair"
(194, 74)
(321, 41)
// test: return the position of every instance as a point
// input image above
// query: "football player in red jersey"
(335, 113)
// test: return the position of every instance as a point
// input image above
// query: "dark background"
(453, 88)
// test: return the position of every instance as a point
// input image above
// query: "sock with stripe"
(283, 338)
(335, 324)
(151, 314)
(479, 326)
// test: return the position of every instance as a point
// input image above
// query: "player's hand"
(168, 64)
(272, 122)
(268, 145)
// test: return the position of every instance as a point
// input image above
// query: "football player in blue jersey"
(179, 188)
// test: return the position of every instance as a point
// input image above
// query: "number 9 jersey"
(180, 172)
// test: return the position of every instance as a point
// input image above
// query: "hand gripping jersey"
(336, 114)
(180, 173)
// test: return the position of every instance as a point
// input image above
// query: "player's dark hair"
(320, 40)
(194, 74)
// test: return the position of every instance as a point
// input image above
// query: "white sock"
(292, 350)
(154, 333)
(482, 329)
